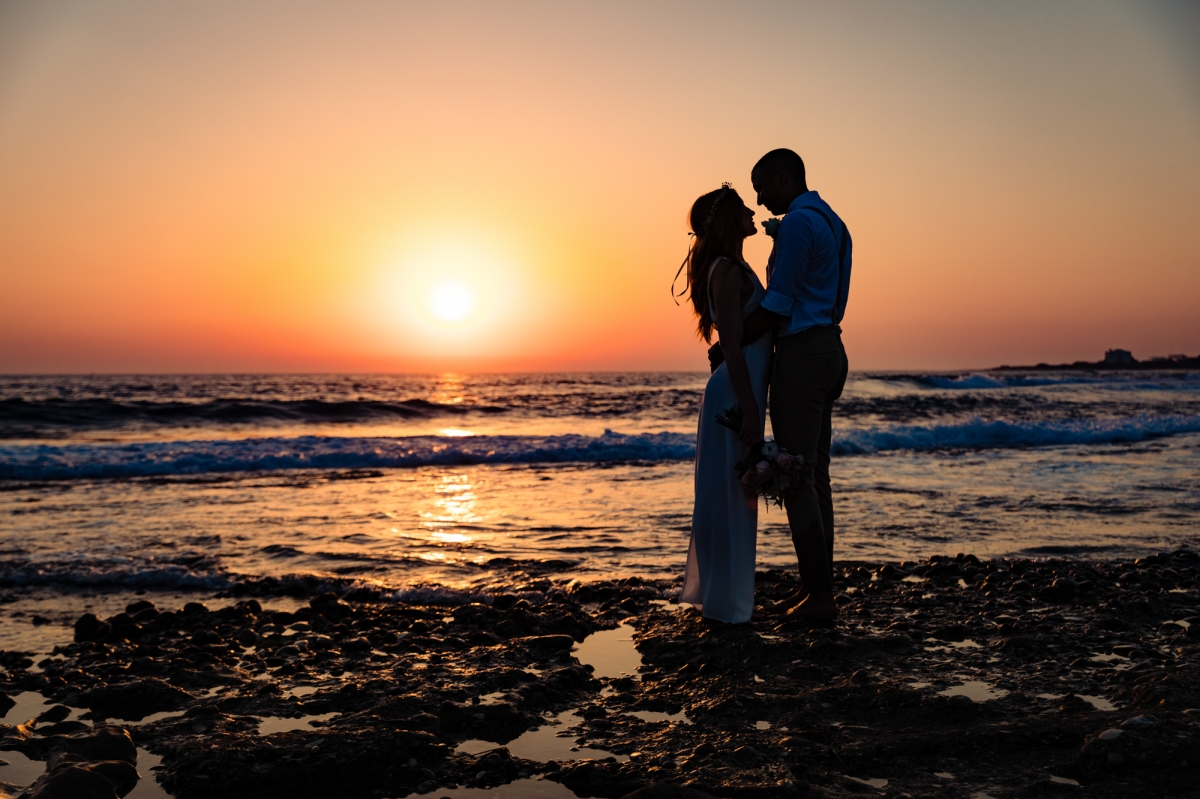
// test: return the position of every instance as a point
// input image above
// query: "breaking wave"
(982, 434)
(86, 461)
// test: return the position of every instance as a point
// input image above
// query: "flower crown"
(726, 187)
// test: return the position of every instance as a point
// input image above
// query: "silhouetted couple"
(783, 338)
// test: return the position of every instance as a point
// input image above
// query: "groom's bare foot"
(816, 607)
(784, 605)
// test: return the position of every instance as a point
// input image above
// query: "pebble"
(1138, 721)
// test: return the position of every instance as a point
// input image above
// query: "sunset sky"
(390, 186)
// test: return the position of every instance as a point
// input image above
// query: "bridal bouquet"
(768, 470)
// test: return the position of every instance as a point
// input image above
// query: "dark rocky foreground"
(950, 677)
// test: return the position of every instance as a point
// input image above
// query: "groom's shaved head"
(781, 161)
(778, 178)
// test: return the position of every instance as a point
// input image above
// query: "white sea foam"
(983, 434)
(85, 461)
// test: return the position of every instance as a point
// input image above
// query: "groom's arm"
(755, 326)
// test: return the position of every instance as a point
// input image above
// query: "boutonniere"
(771, 226)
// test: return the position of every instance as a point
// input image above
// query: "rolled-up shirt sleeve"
(793, 243)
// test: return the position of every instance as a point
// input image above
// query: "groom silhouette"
(808, 283)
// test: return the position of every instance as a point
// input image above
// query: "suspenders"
(834, 316)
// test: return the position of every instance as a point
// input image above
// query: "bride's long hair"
(716, 221)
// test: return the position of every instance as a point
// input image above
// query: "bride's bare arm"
(755, 326)
(727, 299)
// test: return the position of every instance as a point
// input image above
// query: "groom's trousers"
(807, 377)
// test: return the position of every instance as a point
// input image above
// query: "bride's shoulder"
(722, 263)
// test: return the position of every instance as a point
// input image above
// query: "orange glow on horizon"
(402, 188)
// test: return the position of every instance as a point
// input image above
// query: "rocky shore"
(948, 677)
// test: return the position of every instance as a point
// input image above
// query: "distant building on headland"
(1118, 360)
(1119, 357)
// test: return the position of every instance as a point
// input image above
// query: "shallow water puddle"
(1098, 702)
(762, 725)
(519, 789)
(611, 653)
(977, 690)
(654, 715)
(153, 717)
(268, 725)
(874, 782)
(23, 771)
(20, 769)
(544, 743)
(147, 787)
(304, 690)
(494, 698)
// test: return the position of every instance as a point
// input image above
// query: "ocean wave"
(21, 417)
(113, 573)
(164, 459)
(984, 434)
(88, 461)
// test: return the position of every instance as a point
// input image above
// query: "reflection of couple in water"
(785, 336)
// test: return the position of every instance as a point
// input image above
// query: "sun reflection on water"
(449, 390)
(453, 538)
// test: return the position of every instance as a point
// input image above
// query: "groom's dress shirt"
(803, 285)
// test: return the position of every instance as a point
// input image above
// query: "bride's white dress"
(719, 579)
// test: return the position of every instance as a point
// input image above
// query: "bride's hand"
(751, 430)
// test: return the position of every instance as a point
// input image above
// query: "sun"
(451, 301)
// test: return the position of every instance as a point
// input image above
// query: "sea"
(445, 487)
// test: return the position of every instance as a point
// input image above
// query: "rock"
(6, 703)
(961, 700)
(1138, 721)
(135, 700)
(90, 628)
(1109, 735)
(74, 781)
(704, 749)
(952, 632)
(552, 643)
(54, 715)
(100, 743)
(1115, 759)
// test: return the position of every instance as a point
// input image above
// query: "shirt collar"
(804, 200)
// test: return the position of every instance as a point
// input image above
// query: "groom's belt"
(812, 332)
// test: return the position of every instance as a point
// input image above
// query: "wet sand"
(946, 677)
